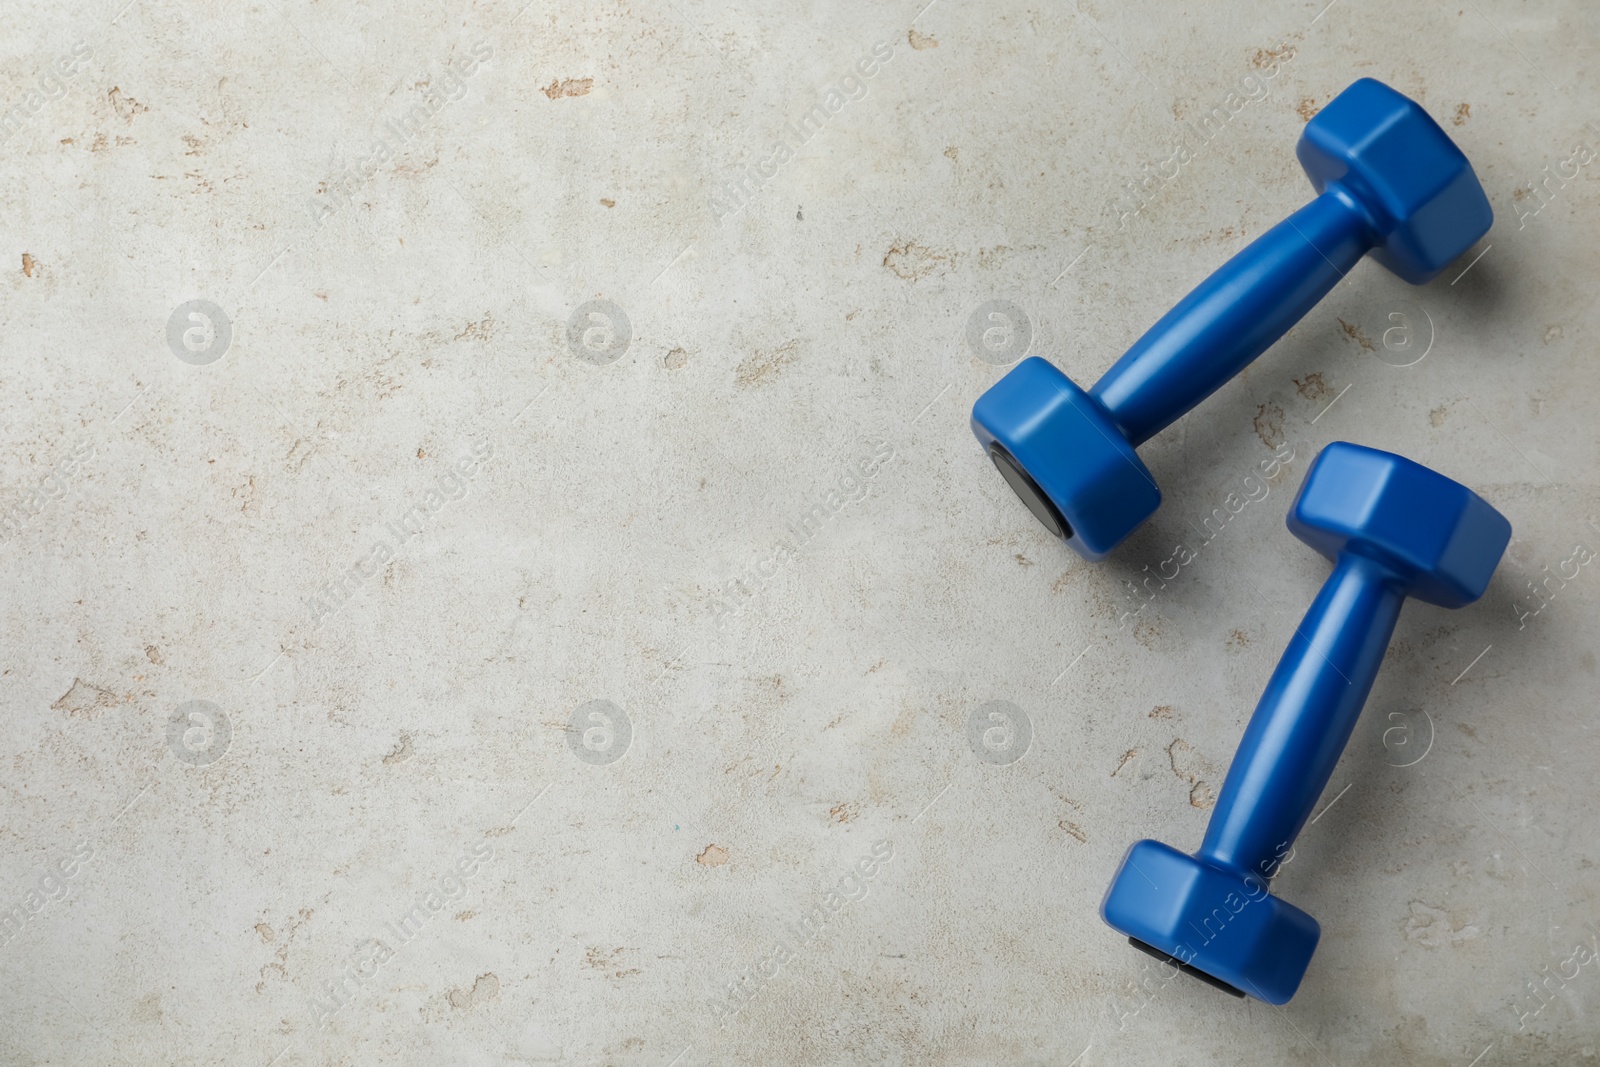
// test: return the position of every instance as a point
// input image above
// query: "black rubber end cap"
(1192, 972)
(1025, 487)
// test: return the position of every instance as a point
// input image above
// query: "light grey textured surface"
(406, 517)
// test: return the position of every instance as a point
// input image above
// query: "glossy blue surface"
(1211, 918)
(1408, 176)
(1393, 529)
(1233, 316)
(1305, 716)
(1389, 182)
(1441, 535)
(1064, 439)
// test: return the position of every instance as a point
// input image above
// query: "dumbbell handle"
(1234, 315)
(1305, 717)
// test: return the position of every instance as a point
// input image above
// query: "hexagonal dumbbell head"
(1404, 171)
(1056, 446)
(1439, 537)
(1224, 924)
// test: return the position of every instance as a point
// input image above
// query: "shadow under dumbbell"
(1192, 972)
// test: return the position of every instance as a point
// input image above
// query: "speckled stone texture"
(496, 568)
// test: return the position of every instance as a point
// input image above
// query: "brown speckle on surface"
(1161, 711)
(125, 105)
(953, 154)
(1023, 560)
(1238, 639)
(29, 265)
(677, 359)
(84, 699)
(1463, 113)
(1262, 58)
(1127, 756)
(1552, 335)
(401, 752)
(602, 960)
(1312, 387)
(1269, 424)
(1433, 927)
(1307, 108)
(463, 916)
(485, 987)
(606, 201)
(921, 41)
(766, 364)
(563, 87)
(713, 856)
(1188, 766)
(1437, 416)
(843, 812)
(153, 654)
(914, 261)
(247, 493)
(482, 330)
(1353, 331)
(1179, 749)
(264, 932)
(990, 257)
(1074, 829)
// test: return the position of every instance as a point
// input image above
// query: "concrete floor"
(494, 542)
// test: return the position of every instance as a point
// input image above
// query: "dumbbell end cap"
(1212, 919)
(1389, 155)
(1442, 540)
(1063, 456)
(1192, 972)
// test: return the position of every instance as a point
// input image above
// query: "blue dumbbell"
(1389, 182)
(1393, 529)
